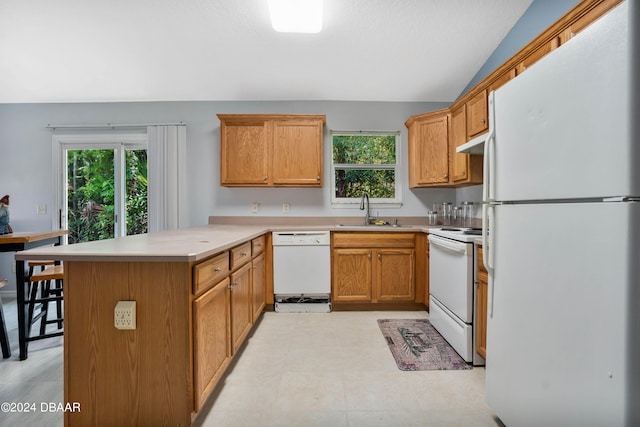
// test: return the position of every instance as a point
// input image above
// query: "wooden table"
(21, 241)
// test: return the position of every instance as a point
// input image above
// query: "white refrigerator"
(562, 236)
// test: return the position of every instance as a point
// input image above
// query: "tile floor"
(295, 370)
(336, 370)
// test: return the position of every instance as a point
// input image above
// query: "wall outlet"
(255, 206)
(125, 315)
(41, 209)
(285, 207)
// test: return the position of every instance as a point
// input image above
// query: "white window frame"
(354, 202)
(117, 142)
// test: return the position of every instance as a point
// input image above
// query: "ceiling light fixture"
(296, 16)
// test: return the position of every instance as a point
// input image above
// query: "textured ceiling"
(152, 50)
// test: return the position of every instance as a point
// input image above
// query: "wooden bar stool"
(50, 282)
(4, 338)
(41, 263)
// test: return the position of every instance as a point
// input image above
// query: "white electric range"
(451, 288)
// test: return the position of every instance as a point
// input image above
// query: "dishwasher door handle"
(461, 248)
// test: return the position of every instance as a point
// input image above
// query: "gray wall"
(25, 145)
(537, 18)
(26, 172)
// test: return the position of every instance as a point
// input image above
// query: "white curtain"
(167, 177)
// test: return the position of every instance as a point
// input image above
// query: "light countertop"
(183, 245)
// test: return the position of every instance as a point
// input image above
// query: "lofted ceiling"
(161, 50)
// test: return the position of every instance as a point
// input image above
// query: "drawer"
(210, 272)
(240, 255)
(257, 246)
(374, 240)
(481, 266)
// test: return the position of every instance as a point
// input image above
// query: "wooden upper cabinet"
(538, 54)
(259, 150)
(598, 9)
(244, 152)
(477, 114)
(297, 152)
(501, 81)
(429, 149)
(459, 161)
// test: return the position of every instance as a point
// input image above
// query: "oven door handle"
(461, 248)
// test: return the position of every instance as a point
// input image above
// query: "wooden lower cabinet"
(211, 340)
(240, 305)
(258, 282)
(482, 294)
(395, 275)
(373, 270)
(351, 270)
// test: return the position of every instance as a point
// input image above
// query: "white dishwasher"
(302, 271)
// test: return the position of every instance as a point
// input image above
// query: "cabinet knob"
(369, 256)
(446, 176)
(217, 269)
(230, 287)
(318, 178)
(235, 283)
(483, 121)
(379, 256)
(243, 253)
(463, 173)
(265, 178)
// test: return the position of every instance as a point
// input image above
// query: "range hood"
(474, 146)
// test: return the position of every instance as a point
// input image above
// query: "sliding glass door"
(102, 187)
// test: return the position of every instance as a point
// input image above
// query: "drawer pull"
(217, 269)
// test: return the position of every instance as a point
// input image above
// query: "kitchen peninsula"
(198, 293)
(153, 375)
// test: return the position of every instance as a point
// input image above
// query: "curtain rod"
(113, 125)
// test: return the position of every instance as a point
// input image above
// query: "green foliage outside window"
(364, 163)
(90, 193)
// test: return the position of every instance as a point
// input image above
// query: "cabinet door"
(244, 154)
(429, 151)
(240, 305)
(537, 55)
(257, 287)
(459, 161)
(212, 347)
(477, 114)
(297, 153)
(587, 19)
(351, 270)
(502, 80)
(394, 275)
(426, 276)
(482, 293)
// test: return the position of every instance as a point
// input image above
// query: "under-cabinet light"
(296, 16)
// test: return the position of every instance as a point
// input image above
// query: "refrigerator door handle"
(488, 247)
(489, 156)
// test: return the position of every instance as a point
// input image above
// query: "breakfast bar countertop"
(183, 245)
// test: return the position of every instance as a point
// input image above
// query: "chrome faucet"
(365, 196)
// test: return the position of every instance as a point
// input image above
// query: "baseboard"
(9, 294)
